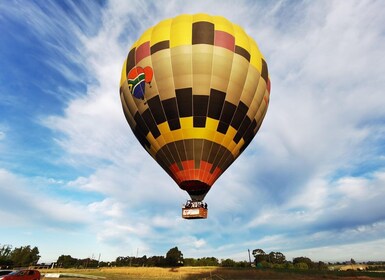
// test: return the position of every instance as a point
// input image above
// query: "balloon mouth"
(195, 188)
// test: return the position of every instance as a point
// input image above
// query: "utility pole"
(249, 256)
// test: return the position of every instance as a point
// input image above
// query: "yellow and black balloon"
(195, 90)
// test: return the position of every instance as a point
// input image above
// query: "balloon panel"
(202, 93)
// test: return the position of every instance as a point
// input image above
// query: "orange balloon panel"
(195, 90)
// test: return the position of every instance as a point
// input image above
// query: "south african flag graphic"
(137, 79)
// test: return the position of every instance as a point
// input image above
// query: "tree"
(303, 260)
(5, 256)
(207, 261)
(228, 263)
(259, 256)
(289, 265)
(174, 257)
(268, 260)
(66, 261)
(5, 251)
(322, 266)
(189, 262)
(301, 265)
(276, 258)
(25, 256)
(156, 261)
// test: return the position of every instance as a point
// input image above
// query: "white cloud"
(349, 202)
(107, 207)
(359, 251)
(26, 204)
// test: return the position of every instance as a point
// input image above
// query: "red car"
(25, 274)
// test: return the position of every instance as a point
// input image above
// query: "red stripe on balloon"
(190, 173)
(224, 40)
(142, 51)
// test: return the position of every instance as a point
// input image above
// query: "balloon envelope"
(195, 90)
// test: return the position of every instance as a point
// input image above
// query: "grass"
(214, 273)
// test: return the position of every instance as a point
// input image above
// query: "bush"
(301, 265)
(289, 265)
(228, 263)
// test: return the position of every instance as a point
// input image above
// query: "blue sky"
(74, 180)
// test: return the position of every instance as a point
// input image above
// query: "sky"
(75, 181)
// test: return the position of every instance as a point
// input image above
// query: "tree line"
(173, 258)
(278, 260)
(23, 256)
(26, 256)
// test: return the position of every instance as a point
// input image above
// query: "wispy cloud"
(23, 204)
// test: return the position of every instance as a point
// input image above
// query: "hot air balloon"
(195, 90)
